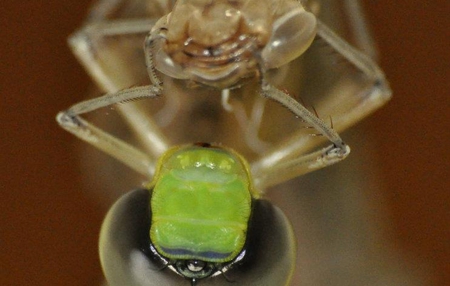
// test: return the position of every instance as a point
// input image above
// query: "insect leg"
(71, 120)
(94, 57)
(298, 166)
(281, 170)
(167, 114)
(285, 163)
(363, 37)
(104, 9)
(89, 46)
(101, 9)
(299, 110)
(375, 96)
(150, 40)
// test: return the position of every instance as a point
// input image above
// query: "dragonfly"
(184, 44)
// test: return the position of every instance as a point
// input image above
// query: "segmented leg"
(288, 168)
(83, 45)
(363, 38)
(284, 163)
(124, 152)
(372, 97)
(111, 78)
(104, 9)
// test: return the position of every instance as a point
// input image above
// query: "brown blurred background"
(49, 228)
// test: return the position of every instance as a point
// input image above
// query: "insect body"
(219, 43)
(201, 204)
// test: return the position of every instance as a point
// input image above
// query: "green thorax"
(201, 204)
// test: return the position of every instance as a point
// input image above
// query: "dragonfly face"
(219, 43)
(201, 205)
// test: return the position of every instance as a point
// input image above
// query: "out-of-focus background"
(49, 227)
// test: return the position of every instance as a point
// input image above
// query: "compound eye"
(195, 265)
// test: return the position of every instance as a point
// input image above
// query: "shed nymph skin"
(220, 43)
